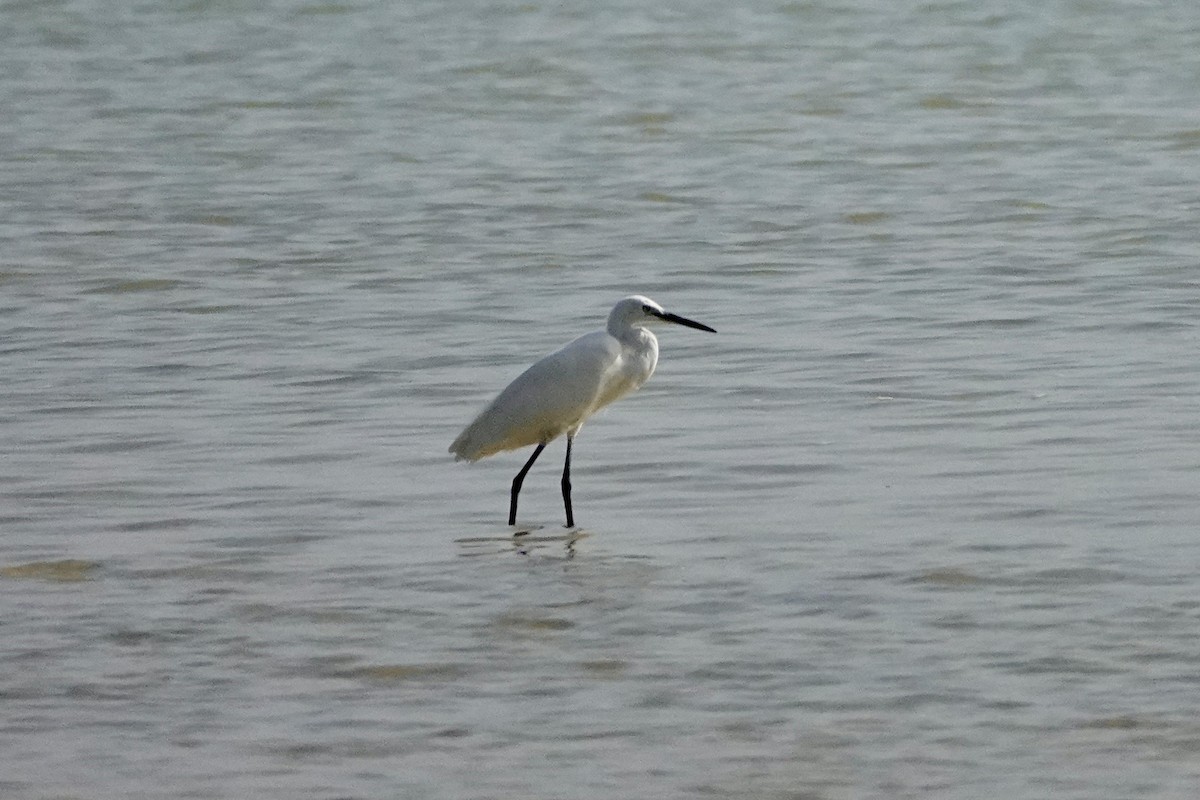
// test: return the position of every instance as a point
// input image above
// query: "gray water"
(921, 521)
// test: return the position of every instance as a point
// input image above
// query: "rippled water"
(921, 521)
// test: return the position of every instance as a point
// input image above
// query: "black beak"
(667, 316)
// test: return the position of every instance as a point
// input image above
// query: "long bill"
(667, 316)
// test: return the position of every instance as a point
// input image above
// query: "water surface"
(920, 522)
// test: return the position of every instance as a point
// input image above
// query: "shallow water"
(920, 521)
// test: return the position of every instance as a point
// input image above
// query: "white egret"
(559, 392)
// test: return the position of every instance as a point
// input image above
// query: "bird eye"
(647, 309)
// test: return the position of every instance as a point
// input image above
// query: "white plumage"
(558, 393)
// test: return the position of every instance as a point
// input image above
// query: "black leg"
(566, 483)
(517, 481)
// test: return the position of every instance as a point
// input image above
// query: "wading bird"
(556, 395)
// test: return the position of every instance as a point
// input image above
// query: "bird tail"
(466, 447)
(459, 448)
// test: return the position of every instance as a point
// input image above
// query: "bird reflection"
(525, 542)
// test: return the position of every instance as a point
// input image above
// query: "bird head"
(638, 311)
